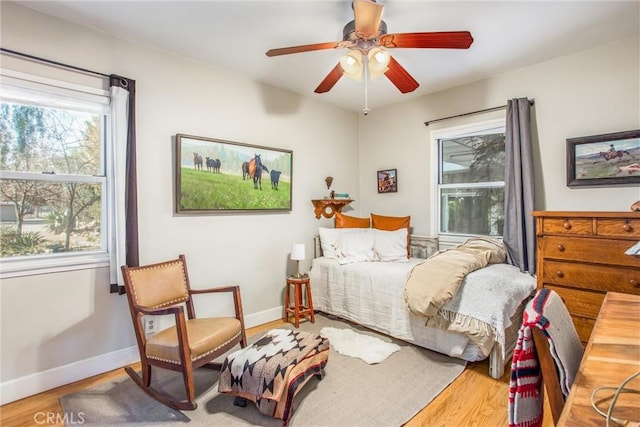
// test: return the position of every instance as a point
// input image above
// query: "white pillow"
(329, 241)
(390, 245)
(355, 245)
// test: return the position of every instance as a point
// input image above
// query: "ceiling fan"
(367, 40)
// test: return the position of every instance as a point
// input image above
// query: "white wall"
(592, 92)
(57, 328)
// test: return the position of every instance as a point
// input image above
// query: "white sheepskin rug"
(350, 343)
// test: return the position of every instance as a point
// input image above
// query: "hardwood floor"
(473, 399)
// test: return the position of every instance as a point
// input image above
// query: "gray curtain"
(519, 227)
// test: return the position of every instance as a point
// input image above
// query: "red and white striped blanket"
(547, 312)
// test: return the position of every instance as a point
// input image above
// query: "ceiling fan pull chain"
(365, 71)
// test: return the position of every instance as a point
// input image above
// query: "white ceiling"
(234, 35)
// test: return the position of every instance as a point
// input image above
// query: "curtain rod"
(486, 110)
(50, 62)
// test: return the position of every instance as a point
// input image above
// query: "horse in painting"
(255, 169)
(610, 155)
(246, 174)
(213, 165)
(197, 161)
(275, 179)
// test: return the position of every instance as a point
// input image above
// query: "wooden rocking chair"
(164, 289)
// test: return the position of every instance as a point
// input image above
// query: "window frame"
(67, 95)
(449, 239)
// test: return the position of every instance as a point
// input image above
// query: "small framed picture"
(609, 159)
(388, 181)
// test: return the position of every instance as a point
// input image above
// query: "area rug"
(353, 344)
(352, 393)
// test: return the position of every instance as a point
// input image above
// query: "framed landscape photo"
(609, 159)
(388, 181)
(215, 176)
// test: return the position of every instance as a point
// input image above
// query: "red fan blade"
(368, 15)
(438, 40)
(331, 79)
(400, 77)
(303, 48)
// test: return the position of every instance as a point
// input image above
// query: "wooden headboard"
(419, 246)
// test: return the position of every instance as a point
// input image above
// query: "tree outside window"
(471, 183)
(52, 179)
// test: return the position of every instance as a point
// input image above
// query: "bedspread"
(371, 294)
(436, 281)
(483, 311)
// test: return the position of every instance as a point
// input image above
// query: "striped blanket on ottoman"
(272, 370)
(547, 312)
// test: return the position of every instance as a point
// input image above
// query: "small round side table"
(302, 304)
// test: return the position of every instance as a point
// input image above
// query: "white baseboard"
(38, 382)
(46, 380)
(262, 317)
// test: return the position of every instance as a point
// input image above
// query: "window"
(53, 181)
(470, 181)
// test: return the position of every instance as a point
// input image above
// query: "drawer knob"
(567, 225)
(561, 248)
(634, 283)
(627, 227)
(560, 274)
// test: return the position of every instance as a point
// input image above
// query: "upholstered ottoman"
(272, 370)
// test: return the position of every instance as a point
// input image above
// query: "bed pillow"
(355, 245)
(345, 221)
(392, 223)
(329, 241)
(390, 245)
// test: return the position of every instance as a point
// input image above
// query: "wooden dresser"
(581, 257)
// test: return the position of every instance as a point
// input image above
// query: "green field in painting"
(202, 190)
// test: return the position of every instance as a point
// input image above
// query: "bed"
(373, 294)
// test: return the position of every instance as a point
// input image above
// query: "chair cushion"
(205, 337)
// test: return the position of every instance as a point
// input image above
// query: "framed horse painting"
(215, 176)
(609, 159)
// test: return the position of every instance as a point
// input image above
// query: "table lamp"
(297, 254)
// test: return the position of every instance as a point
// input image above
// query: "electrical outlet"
(150, 325)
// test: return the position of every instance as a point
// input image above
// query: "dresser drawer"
(591, 276)
(618, 228)
(580, 303)
(582, 226)
(600, 251)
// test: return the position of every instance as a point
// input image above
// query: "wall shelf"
(328, 207)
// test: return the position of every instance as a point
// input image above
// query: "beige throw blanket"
(434, 282)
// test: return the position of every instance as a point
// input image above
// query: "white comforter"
(372, 294)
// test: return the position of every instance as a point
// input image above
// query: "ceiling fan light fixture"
(378, 61)
(351, 64)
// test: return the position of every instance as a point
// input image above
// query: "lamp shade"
(297, 252)
(378, 62)
(351, 64)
